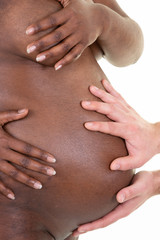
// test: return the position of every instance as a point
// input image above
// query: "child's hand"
(140, 135)
(18, 152)
(76, 26)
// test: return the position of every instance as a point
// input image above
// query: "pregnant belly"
(84, 188)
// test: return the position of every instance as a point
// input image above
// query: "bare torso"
(84, 188)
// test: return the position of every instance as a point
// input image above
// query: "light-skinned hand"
(144, 185)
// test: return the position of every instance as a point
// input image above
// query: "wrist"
(156, 127)
(156, 182)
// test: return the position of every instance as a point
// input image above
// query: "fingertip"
(115, 166)
(30, 31)
(23, 111)
(88, 125)
(57, 67)
(121, 197)
(11, 196)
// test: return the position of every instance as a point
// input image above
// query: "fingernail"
(58, 67)
(21, 111)
(30, 31)
(95, 88)
(116, 166)
(121, 198)
(11, 196)
(37, 185)
(51, 172)
(31, 49)
(51, 159)
(40, 58)
(87, 103)
(89, 124)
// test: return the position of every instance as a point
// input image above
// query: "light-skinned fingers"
(11, 171)
(6, 191)
(128, 193)
(53, 20)
(110, 110)
(112, 128)
(32, 151)
(9, 116)
(72, 56)
(119, 212)
(102, 94)
(124, 163)
(115, 111)
(28, 163)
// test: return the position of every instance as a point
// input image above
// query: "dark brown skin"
(84, 188)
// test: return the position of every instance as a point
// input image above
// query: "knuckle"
(129, 192)
(50, 54)
(98, 125)
(37, 27)
(110, 127)
(43, 155)
(29, 181)
(25, 162)
(43, 168)
(40, 44)
(58, 36)
(27, 148)
(4, 140)
(66, 46)
(97, 106)
(132, 128)
(14, 173)
(52, 20)
(112, 107)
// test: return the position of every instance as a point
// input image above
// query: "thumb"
(129, 192)
(124, 163)
(9, 116)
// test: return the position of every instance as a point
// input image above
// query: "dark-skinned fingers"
(32, 151)
(55, 19)
(28, 163)
(72, 56)
(9, 116)
(59, 50)
(6, 191)
(11, 171)
(50, 40)
(112, 128)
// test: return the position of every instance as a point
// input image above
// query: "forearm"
(121, 39)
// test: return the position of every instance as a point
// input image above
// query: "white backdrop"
(139, 84)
